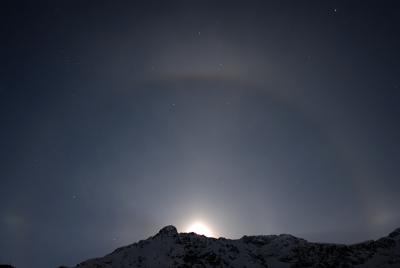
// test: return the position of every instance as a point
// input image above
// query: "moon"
(200, 228)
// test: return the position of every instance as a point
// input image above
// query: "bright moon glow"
(200, 229)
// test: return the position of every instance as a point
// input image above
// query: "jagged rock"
(169, 230)
(168, 248)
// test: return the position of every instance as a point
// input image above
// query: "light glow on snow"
(201, 229)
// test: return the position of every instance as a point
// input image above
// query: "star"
(172, 107)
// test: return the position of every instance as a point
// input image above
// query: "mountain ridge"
(168, 248)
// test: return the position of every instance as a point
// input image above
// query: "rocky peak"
(168, 230)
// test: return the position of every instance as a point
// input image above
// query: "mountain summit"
(168, 248)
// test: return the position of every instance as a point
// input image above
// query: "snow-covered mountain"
(169, 248)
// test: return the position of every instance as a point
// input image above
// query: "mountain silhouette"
(168, 248)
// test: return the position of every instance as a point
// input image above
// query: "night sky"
(252, 117)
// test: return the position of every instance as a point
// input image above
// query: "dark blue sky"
(254, 117)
